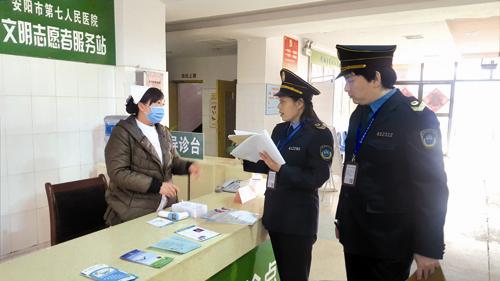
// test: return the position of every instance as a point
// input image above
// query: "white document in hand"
(240, 136)
(250, 148)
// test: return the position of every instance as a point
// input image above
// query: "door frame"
(221, 118)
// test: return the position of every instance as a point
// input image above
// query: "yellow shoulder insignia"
(320, 126)
(417, 105)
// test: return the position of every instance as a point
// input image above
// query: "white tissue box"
(195, 210)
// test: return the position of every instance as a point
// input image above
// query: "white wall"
(259, 63)
(208, 69)
(52, 131)
(140, 34)
(51, 119)
(323, 103)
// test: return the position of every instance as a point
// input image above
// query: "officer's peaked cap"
(358, 58)
(294, 86)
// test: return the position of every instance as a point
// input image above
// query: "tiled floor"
(472, 230)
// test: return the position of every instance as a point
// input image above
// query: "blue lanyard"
(360, 140)
(282, 142)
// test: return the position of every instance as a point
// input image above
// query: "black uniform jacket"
(398, 204)
(292, 207)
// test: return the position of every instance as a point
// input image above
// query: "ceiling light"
(414, 36)
(471, 33)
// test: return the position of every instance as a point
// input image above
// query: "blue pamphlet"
(102, 272)
(176, 244)
(146, 258)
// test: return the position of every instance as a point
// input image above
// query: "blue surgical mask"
(156, 114)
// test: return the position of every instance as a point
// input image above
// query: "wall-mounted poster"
(154, 79)
(272, 101)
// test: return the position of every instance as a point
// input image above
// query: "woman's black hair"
(308, 114)
(150, 96)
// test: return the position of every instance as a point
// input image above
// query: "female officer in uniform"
(140, 161)
(291, 206)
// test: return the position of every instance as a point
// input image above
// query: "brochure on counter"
(197, 233)
(176, 244)
(146, 258)
(230, 216)
(159, 222)
(103, 272)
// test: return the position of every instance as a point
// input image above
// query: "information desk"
(66, 260)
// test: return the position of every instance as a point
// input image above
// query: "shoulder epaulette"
(319, 126)
(416, 105)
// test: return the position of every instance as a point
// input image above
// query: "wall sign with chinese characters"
(188, 145)
(213, 110)
(82, 30)
(188, 75)
(154, 79)
(324, 59)
(290, 53)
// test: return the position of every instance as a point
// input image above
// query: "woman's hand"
(194, 170)
(269, 162)
(169, 189)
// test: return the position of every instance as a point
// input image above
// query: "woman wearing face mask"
(140, 161)
(291, 206)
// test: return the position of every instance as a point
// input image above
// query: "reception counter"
(214, 171)
(66, 260)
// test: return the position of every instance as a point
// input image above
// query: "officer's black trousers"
(360, 268)
(293, 255)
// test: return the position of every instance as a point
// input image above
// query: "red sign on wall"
(290, 53)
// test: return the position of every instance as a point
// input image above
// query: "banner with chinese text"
(324, 59)
(290, 53)
(82, 30)
(187, 144)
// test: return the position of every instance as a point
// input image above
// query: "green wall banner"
(323, 59)
(257, 265)
(82, 30)
(187, 144)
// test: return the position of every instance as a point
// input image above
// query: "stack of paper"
(252, 144)
(239, 136)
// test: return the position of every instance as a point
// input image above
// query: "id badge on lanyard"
(271, 176)
(271, 180)
(350, 173)
(351, 167)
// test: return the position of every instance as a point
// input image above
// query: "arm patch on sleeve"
(429, 137)
(326, 152)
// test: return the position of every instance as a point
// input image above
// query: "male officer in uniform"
(291, 206)
(394, 195)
